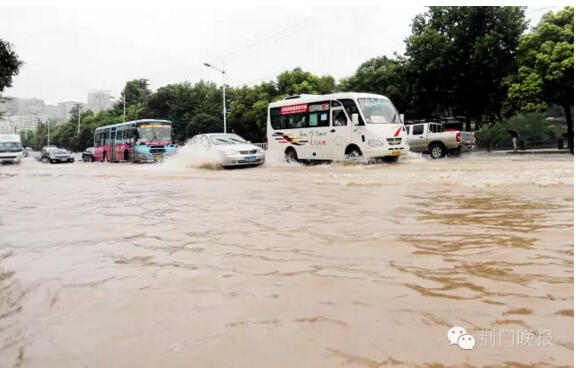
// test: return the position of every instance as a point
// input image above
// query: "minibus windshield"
(378, 110)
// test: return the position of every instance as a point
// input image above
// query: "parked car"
(59, 155)
(432, 139)
(230, 149)
(88, 155)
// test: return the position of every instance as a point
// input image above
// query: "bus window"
(351, 108)
(339, 118)
(318, 119)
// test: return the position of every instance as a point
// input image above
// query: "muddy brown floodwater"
(123, 265)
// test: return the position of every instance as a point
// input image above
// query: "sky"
(68, 51)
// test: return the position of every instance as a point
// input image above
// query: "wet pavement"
(180, 265)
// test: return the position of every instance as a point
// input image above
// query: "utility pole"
(124, 102)
(78, 110)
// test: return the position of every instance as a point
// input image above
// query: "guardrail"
(264, 146)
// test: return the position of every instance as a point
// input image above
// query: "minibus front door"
(339, 131)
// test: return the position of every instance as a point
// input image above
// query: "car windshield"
(378, 110)
(155, 133)
(61, 151)
(10, 147)
(227, 139)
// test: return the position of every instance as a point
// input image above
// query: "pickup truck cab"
(432, 139)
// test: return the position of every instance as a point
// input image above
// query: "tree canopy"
(458, 57)
(10, 64)
(546, 67)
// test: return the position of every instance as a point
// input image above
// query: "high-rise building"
(99, 100)
(14, 124)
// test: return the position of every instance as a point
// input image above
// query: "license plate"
(395, 153)
(157, 157)
(250, 158)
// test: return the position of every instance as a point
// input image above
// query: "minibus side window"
(351, 108)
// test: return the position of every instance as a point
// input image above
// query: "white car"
(229, 149)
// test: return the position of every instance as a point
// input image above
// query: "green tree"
(458, 58)
(136, 91)
(381, 75)
(249, 110)
(10, 65)
(203, 123)
(298, 81)
(181, 103)
(546, 68)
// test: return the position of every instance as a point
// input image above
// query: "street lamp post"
(78, 111)
(124, 105)
(223, 91)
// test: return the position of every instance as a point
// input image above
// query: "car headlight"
(375, 142)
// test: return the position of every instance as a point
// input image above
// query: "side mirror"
(402, 117)
(355, 119)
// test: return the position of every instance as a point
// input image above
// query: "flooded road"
(123, 265)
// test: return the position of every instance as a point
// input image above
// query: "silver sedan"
(231, 149)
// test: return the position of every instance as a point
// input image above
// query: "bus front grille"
(157, 149)
(394, 141)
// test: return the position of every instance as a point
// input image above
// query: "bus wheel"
(353, 153)
(290, 155)
(126, 156)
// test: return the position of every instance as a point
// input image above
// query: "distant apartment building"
(20, 114)
(14, 124)
(99, 100)
(67, 108)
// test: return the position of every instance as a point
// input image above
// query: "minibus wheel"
(353, 153)
(290, 155)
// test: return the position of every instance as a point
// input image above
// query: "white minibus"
(336, 127)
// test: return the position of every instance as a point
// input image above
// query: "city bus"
(146, 140)
(336, 127)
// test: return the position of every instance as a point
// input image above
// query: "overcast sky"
(68, 51)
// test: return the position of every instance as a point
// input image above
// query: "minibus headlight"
(375, 142)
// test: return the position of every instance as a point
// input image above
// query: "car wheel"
(291, 155)
(437, 150)
(92, 159)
